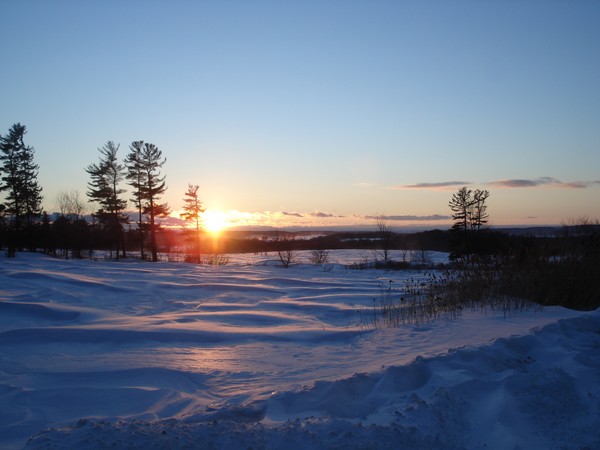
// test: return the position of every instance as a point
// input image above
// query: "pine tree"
(104, 189)
(469, 212)
(135, 178)
(143, 164)
(19, 178)
(479, 215)
(461, 205)
(192, 209)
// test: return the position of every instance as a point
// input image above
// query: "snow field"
(129, 354)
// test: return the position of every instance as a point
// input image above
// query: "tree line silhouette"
(114, 228)
(72, 233)
(141, 170)
(25, 226)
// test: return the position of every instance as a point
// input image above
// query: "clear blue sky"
(345, 108)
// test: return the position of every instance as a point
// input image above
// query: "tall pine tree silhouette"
(144, 163)
(104, 189)
(24, 195)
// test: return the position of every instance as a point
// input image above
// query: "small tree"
(284, 246)
(192, 209)
(69, 231)
(385, 237)
(19, 178)
(104, 189)
(70, 204)
(319, 256)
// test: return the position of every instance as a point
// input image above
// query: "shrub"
(319, 257)
(416, 302)
(444, 295)
(217, 259)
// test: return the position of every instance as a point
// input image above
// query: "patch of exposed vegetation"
(526, 273)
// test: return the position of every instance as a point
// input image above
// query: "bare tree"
(284, 246)
(580, 226)
(319, 256)
(70, 230)
(385, 236)
(70, 204)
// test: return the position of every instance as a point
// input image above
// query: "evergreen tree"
(135, 178)
(19, 178)
(479, 215)
(461, 205)
(192, 209)
(469, 212)
(3, 226)
(143, 164)
(104, 189)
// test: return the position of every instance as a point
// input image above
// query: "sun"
(214, 221)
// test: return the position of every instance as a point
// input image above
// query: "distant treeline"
(67, 238)
(79, 239)
(267, 241)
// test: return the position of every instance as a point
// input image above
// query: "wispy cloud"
(315, 219)
(291, 214)
(408, 218)
(503, 183)
(581, 184)
(284, 219)
(541, 182)
(524, 183)
(322, 215)
(433, 186)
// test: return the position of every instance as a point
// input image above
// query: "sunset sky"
(318, 113)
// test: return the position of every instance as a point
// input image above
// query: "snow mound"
(541, 390)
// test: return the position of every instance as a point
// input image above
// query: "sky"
(318, 113)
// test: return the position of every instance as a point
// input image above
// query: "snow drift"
(96, 354)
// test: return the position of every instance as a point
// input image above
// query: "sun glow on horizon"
(215, 221)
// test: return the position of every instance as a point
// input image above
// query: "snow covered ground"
(97, 354)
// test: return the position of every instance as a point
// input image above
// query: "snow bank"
(535, 391)
(133, 355)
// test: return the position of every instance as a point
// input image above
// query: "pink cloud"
(542, 181)
(433, 186)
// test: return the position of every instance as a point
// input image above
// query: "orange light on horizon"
(214, 221)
